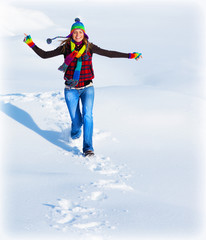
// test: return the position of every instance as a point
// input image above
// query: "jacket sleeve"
(108, 53)
(47, 54)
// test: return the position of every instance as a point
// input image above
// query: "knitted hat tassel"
(49, 40)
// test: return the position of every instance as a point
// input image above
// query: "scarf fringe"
(63, 67)
(71, 82)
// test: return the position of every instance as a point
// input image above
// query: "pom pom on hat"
(77, 25)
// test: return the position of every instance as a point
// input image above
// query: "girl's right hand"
(25, 37)
(28, 40)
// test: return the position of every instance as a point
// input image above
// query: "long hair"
(66, 42)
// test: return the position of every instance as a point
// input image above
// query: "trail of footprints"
(65, 214)
(82, 216)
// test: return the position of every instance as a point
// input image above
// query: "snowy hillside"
(147, 179)
(144, 180)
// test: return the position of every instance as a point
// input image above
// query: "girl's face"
(78, 35)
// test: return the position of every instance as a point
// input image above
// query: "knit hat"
(77, 25)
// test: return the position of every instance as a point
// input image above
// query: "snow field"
(97, 204)
(67, 215)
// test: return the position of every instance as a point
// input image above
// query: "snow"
(147, 178)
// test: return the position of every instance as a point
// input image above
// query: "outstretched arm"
(115, 54)
(43, 54)
(108, 53)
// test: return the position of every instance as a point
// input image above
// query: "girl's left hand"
(135, 55)
(138, 57)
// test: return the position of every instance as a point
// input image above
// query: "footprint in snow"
(66, 215)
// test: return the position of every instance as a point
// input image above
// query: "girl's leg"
(72, 101)
(87, 98)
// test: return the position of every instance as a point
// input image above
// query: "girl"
(78, 76)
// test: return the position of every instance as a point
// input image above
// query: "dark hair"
(66, 42)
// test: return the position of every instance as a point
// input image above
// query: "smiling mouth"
(78, 39)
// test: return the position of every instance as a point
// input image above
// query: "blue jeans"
(73, 97)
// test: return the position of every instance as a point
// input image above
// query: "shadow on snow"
(26, 120)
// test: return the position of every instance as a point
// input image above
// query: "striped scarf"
(74, 54)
